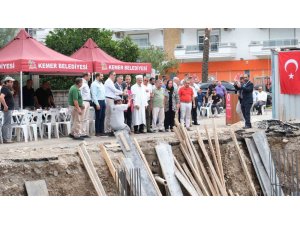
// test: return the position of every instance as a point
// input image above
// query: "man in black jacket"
(246, 99)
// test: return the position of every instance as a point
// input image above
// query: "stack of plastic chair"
(32, 124)
(65, 119)
(38, 118)
(21, 124)
(51, 118)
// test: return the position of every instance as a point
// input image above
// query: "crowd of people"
(150, 105)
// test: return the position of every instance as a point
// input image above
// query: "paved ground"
(65, 145)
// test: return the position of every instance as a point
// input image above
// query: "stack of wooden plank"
(263, 163)
(193, 174)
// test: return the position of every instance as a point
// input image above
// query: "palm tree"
(206, 46)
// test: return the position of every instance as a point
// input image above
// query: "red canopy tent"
(25, 54)
(103, 63)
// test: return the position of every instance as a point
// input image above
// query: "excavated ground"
(58, 162)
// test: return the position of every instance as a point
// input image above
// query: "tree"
(68, 40)
(206, 47)
(6, 35)
(158, 58)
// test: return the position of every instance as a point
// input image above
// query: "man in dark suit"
(119, 84)
(246, 99)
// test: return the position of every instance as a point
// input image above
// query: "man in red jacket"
(186, 101)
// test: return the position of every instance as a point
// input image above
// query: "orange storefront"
(228, 70)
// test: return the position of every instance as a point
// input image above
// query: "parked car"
(229, 87)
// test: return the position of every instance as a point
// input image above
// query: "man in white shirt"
(98, 97)
(149, 91)
(176, 83)
(117, 114)
(111, 93)
(195, 88)
(140, 103)
(86, 97)
(261, 100)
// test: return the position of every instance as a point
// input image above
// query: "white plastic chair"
(38, 118)
(206, 109)
(21, 123)
(65, 119)
(51, 118)
(33, 125)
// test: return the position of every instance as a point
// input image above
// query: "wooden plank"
(87, 162)
(264, 151)
(191, 178)
(196, 174)
(218, 151)
(36, 188)
(181, 170)
(212, 150)
(133, 154)
(243, 163)
(123, 139)
(108, 161)
(138, 147)
(230, 192)
(165, 157)
(212, 169)
(190, 189)
(260, 170)
(202, 168)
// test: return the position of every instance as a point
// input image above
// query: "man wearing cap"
(111, 93)
(86, 97)
(117, 114)
(246, 100)
(7, 105)
(140, 103)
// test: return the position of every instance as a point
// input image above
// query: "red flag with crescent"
(289, 71)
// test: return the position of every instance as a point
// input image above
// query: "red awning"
(26, 54)
(103, 63)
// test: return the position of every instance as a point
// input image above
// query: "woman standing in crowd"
(171, 105)
(16, 95)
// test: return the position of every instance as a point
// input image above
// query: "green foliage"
(158, 58)
(59, 82)
(6, 35)
(68, 40)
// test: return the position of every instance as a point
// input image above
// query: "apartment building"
(233, 51)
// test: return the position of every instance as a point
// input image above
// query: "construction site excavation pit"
(65, 174)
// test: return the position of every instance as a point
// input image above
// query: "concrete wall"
(172, 37)
(156, 36)
(60, 97)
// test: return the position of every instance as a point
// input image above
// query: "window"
(142, 40)
(214, 39)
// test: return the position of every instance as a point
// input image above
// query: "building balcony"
(217, 51)
(262, 49)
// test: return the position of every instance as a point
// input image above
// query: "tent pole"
(92, 76)
(21, 90)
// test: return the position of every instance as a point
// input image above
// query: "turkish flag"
(289, 71)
